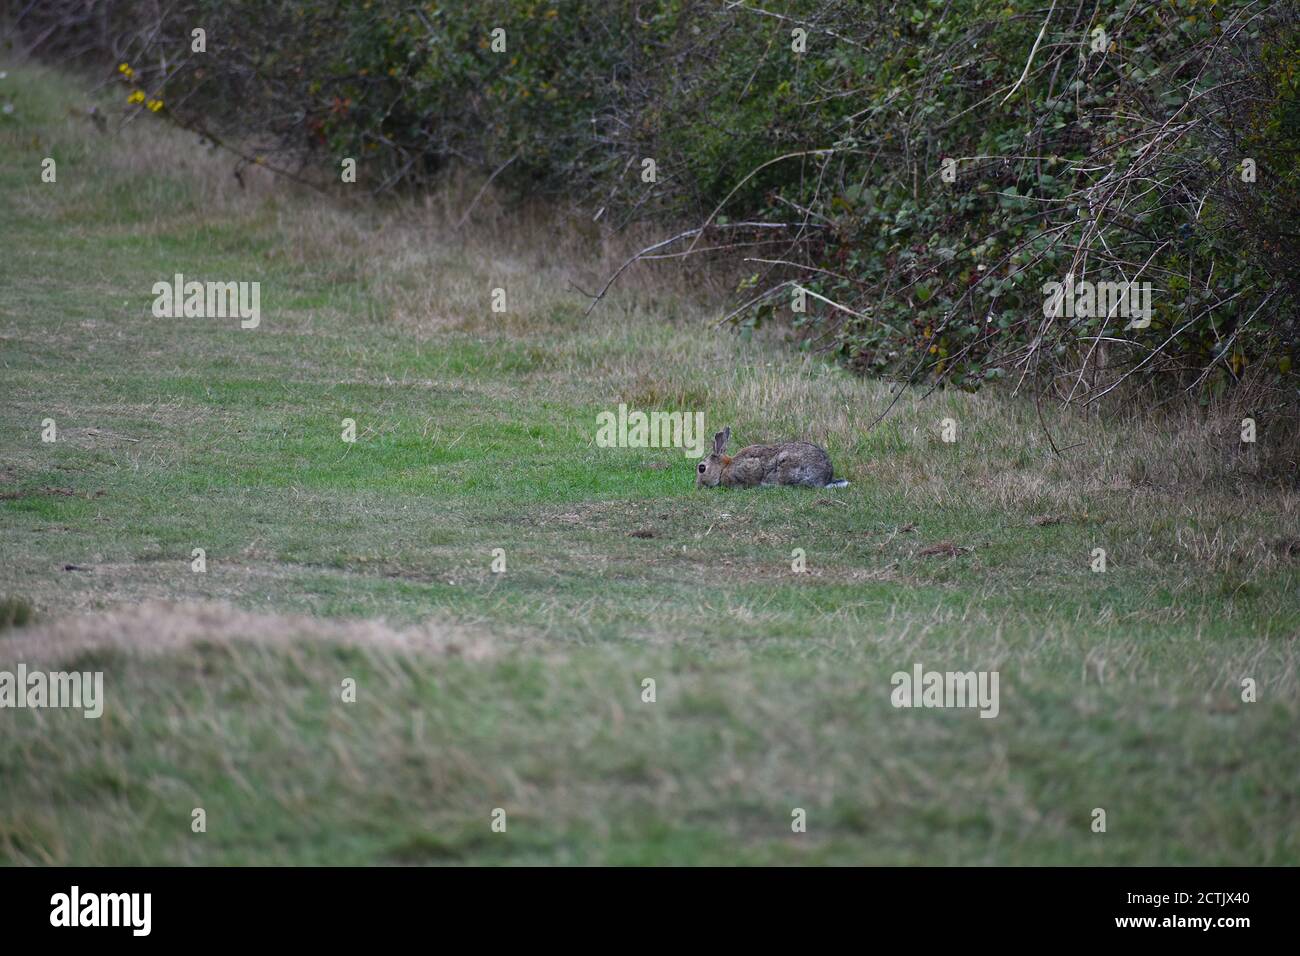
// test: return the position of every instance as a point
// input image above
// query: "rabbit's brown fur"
(789, 463)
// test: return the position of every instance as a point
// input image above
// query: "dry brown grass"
(163, 627)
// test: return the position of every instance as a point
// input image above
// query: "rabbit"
(789, 463)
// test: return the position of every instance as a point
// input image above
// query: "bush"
(1105, 142)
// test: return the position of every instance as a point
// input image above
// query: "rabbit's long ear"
(720, 440)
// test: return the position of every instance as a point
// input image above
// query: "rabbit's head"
(708, 473)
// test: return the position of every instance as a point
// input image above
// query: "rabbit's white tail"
(838, 483)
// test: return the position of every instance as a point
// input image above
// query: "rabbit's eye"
(700, 468)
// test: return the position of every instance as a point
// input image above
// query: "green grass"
(476, 431)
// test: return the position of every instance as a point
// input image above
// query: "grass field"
(522, 691)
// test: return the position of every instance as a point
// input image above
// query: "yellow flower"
(135, 97)
(125, 70)
(154, 105)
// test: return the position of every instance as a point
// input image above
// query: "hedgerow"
(919, 174)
